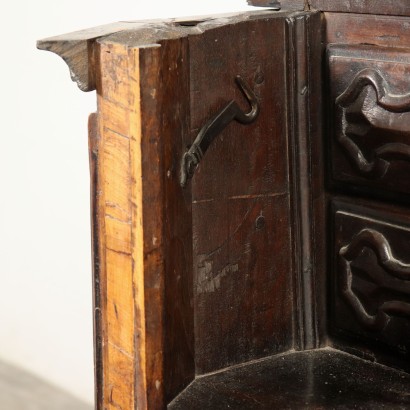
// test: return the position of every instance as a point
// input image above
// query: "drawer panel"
(370, 277)
(369, 136)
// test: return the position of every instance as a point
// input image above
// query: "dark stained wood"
(319, 379)
(254, 263)
(269, 3)
(246, 262)
(370, 137)
(243, 275)
(371, 278)
(93, 142)
(306, 170)
(168, 226)
(385, 31)
(391, 7)
(78, 49)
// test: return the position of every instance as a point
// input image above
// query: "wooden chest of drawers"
(250, 185)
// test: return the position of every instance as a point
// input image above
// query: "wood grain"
(370, 249)
(370, 131)
(242, 274)
(78, 49)
(94, 144)
(375, 7)
(309, 380)
(359, 29)
(116, 202)
(159, 315)
(146, 224)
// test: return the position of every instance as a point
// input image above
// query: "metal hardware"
(214, 127)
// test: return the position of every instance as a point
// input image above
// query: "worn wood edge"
(147, 35)
(374, 7)
(132, 322)
(304, 48)
(117, 229)
(272, 4)
(93, 143)
(77, 49)
(123, 104)
(301, 5)
(137, 230)
(360, 29)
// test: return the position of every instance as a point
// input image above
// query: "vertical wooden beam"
(94, 144)
(145, 223)
(304, 89)
(116, 223)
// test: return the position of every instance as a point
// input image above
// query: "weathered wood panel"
(146, 224)
(356, 29)
(94, 145)
(370, 276)
(391, 7)
(243, 275)
(254, 287)
(370, 133)
(246, 292)
(310, 380)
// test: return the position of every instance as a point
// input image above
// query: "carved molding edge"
(77, 50)
(380, 246)
(76, 56)
(377, 166)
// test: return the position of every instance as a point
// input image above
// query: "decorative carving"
(400, 270)
(392, 120)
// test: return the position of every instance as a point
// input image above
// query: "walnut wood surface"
(244, 262)
(390, 7)
(145, 220)
(161, 321)
(370, 93)
(243, 275)
(371, 279)
(318, 379)
(98, 296)
(375, 7)
(78, 49)
(373, 30)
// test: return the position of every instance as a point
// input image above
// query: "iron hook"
(214, 127)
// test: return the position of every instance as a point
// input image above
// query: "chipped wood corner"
(78, 57)
(77, 50)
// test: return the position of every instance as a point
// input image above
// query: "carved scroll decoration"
(398, 269)
(377, 165)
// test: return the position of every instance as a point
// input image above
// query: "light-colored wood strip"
(115, 200)
(145, 223)
(137, 248)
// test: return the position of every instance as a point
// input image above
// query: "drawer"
(370, 277)
(369, 137)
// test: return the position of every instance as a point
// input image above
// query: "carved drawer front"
(370, 278)
(369, 137)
